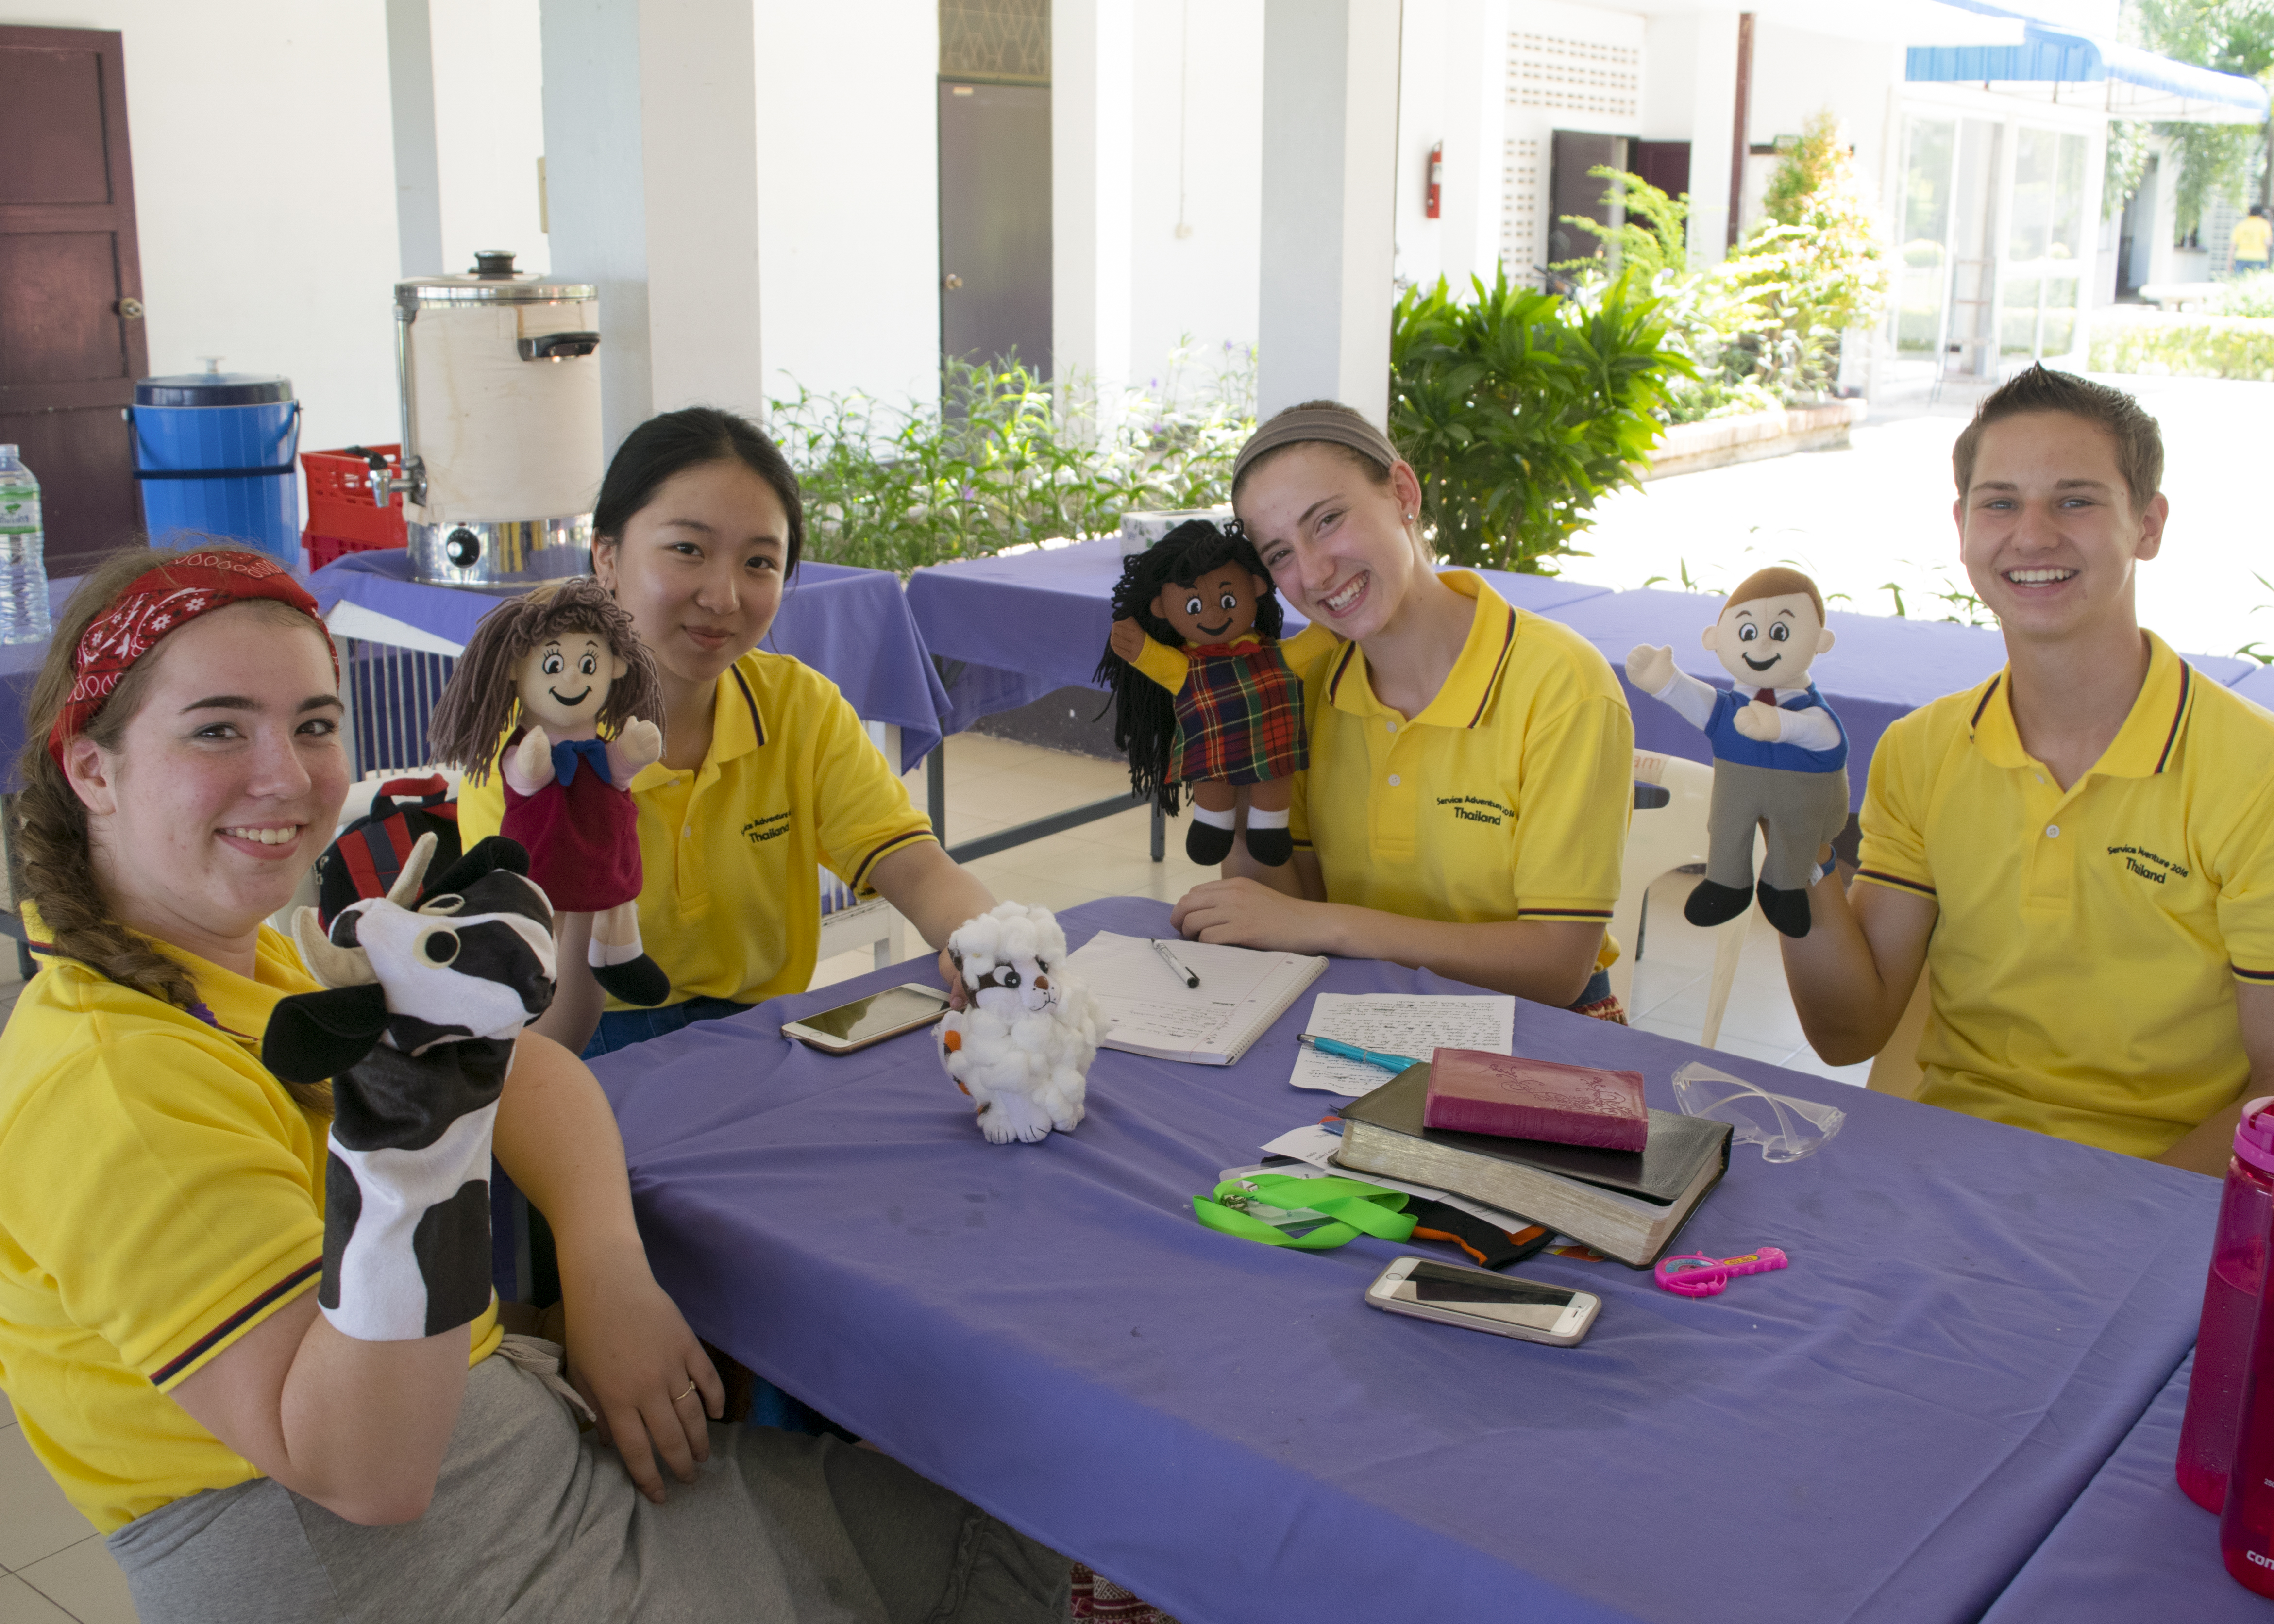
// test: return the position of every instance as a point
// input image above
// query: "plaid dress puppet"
(1203, 699)
(1239, 716)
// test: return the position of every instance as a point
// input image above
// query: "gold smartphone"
(868, 1020)
(1532, 1311)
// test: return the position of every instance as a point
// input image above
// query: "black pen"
(1183, 971)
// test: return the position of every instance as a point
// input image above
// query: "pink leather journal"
(1472, 1092)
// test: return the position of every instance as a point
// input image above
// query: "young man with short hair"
(2080, 851)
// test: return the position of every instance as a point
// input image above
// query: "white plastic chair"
(1660, 839)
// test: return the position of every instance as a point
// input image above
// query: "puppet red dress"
(565, 662)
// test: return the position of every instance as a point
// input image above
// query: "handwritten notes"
(1241, 993)
(1394, 1023)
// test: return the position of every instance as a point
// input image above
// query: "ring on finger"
(691, 1384)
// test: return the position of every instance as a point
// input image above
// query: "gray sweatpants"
(530, 1521)
(1804, 811)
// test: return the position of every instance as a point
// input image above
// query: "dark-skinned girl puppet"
(1779, 754)
(564, 668)
(1202, 696)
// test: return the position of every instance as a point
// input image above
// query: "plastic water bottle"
(2230, 1310)
(23, 571)
(2246, 1525)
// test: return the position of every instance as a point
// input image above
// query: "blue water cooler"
(215, 453)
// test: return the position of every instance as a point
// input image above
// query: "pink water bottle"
(2230, 1310)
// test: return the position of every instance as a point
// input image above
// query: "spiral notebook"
(1242, 991)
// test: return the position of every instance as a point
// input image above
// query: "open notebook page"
(1241, 992)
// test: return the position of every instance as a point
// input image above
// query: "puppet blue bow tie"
(593, 751)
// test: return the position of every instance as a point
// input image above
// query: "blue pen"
(1352, 1051)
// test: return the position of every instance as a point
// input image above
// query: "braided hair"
(50, 862)
(1145, 713)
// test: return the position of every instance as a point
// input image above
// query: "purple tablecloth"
(1975, 1317)
(1023, 626)
(1879, 669)
(2133, 1548)
(2257, 685)
(20, 668)
(853, 626)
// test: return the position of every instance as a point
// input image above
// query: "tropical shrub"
(1006, 458)
(1762, 328)
(1519, 409)
(2187, 346)
(2251, 294)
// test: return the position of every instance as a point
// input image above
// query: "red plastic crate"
(323, 549)
(340, 506)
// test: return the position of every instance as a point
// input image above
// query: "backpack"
(370, 853)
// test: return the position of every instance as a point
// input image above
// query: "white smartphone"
(1530, 1310)
(871, 1019)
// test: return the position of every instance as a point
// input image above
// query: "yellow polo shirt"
(731, 852)
(161, 1194)
(1507, 798)
(2082, 972)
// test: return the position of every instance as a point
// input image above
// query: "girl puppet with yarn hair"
(564, 663)
(1202, 696)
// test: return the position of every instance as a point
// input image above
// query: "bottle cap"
(2254, 1135)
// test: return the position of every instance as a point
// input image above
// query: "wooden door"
(995, 222)
(71, 284)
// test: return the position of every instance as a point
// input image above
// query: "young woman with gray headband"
(1472, 763)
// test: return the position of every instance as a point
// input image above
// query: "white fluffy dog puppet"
(1023, 1048)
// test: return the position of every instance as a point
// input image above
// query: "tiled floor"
(54, 1567)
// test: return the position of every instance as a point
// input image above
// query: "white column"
(417, 161)
(699, 154)
(1093, 162)
(651, 139)
(1329, 152)
(1711, 66)
(1474, 196)
(596, 192)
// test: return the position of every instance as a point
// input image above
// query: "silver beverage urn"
(500, 382)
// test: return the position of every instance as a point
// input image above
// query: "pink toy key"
(1693, 1273)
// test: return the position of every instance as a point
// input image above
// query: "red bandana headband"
(157, 601)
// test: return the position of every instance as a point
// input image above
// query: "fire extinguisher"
(1437, 178)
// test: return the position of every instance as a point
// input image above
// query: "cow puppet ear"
(314, 1036)
(487, 856)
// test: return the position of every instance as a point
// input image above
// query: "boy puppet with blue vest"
(1779, 754)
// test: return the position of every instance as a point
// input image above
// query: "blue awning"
(2070, 68)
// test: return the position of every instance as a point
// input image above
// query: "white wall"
(1797, 74)
(263, 194)
(1452, 89)
(1092, 164)
(489, 129)
(1197, 87)
(848, 196)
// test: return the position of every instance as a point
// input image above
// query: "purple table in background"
(1023, 625)
(1881, 668)
(1973, 1319)
(20, 668)
(2257, 685)
(2133, 1548)
(1019, 627)
(853, 626)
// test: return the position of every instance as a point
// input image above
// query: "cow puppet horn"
(404, 892)
(330, 963)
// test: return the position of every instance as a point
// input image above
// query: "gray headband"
(1340, 428)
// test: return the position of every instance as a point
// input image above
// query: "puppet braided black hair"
(1145, 713)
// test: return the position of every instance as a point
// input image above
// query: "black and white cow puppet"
(426, 992)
